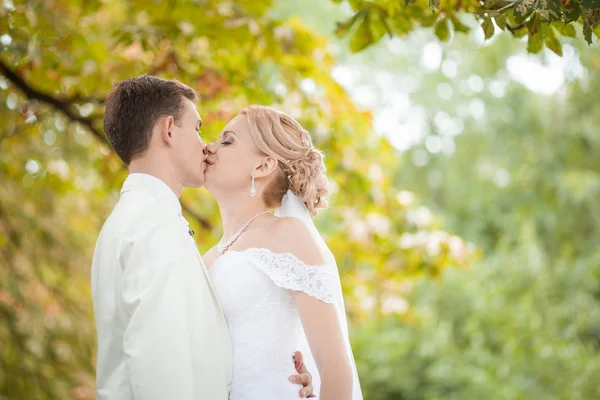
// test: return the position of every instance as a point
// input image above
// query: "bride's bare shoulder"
(294, 236)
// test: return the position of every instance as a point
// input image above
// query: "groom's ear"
(266, 167)
(165, 127)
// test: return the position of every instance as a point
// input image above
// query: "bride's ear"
(266, 167)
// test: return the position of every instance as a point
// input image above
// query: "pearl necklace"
(223, 245)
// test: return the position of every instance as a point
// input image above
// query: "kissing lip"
(208, 162)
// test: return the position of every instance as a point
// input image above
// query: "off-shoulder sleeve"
(289, 272)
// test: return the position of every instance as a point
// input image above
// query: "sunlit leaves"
(508, 15)
(535, 42)
(458, 25)
(571, 11)
(366, 28)
(591, 18)
(525, 7)
(551, 40)
(488, 28)
(441, 30)
(60, 178)
(538, 229)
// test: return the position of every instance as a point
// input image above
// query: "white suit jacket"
(161, 331)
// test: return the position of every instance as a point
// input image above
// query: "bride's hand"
(304, 377)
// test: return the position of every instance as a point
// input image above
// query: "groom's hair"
(133, 107)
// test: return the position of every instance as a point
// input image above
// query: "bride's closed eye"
(226, 141)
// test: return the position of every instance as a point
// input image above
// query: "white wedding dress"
(253, 287)
(265, 327)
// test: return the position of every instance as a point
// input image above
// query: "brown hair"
(133, 107)
(300, 166)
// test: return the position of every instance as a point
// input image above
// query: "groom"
(161, 332)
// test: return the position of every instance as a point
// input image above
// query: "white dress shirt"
(161, 331)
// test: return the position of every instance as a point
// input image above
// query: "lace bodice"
(253, 288)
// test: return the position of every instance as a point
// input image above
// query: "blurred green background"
(466, 208)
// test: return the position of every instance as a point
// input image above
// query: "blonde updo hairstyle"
(300, 165)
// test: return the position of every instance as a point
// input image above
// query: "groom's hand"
(303, 376)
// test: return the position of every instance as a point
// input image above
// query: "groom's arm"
(157, 339)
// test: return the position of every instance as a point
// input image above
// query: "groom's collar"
(155, 187)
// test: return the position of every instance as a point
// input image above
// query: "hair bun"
(308, 181)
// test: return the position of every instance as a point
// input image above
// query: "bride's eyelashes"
(225, 139)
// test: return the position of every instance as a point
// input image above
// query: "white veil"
(292, 206)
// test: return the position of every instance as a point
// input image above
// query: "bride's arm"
(321, 325)
(319, 319)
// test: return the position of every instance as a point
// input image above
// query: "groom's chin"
(197, 181)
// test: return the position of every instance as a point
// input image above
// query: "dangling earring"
(252, 189)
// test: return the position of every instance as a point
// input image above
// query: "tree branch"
(80, 98)
(59, 105)
(65, 108)
(513, 29)
(506, 7)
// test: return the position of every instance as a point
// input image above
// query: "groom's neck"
(159, 169)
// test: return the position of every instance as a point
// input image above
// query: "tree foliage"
(543, 22)
(523, 183)
(60, 178)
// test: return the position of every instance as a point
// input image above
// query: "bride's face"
(231, 159)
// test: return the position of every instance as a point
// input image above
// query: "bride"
(276, 279)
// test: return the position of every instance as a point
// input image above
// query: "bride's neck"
(235, 212)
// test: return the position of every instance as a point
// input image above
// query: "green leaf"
(591, 16)
(342, 28)
(400, 25)
(535, 43)
(533, 25)
(496, 4)
(589, 3)
(549, 10)
(488, 28)
(377, 28)
(459, 26)
(441, 30)
(568, 30)
(587, 33)
(500, 21)
(361, 38)
(524, 7)
(407, 2)
(516, 25)
(571, 12)
(552, 41)
(428, 21)
(435, 4)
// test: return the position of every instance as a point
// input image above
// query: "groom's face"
(189, 148)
